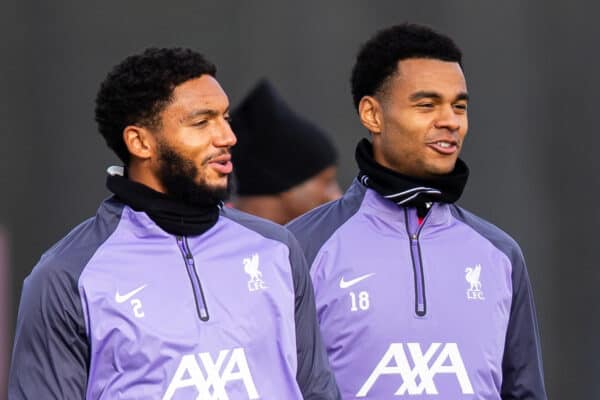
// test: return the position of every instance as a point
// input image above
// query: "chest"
(392, 308)
(168, 300)
(447, 277)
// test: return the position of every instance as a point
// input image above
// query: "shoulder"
(51, 292)
(496, 236)
(314, 228)
(66, 259)
(260, 226)
(272, 231)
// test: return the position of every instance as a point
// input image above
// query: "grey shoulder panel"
(500, 239)
(522, 367)
(263, 227)
(313, 375)
(51, 350)
(71, 254)
(314, 228)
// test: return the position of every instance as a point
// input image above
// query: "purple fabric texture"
(121, 309)
(420, 311)
(149, 334)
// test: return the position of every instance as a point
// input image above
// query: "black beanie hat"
(276, 148)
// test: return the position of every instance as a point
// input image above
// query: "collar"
(173, 216)
(405, 190)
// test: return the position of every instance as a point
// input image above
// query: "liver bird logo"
(472, 276)
(251, 268)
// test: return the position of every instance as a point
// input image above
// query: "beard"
(178, 176)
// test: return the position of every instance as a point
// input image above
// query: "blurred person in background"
(286, 165)
(164, 293)
(416, 296)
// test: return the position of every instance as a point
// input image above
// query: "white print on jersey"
(420, 379)
(360, 302)
(136, 304)
(472, 275)
(137, 308)
(122, 298)
(189, 374)
(346, 284)
(251, 268)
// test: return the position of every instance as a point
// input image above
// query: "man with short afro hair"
(377, 62)
(416, 296)
(165, 293)
(140, 87)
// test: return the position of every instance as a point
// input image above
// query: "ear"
(369, 111)
(140, 142)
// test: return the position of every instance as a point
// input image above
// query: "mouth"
(445, 147)
(222, 164)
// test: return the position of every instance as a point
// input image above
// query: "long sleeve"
(314, 377)
(50, 354)
(523, 376)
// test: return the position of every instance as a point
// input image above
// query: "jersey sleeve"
(314, 376)
(522, 370)
(50, 353)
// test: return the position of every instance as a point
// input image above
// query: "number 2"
(137, 308)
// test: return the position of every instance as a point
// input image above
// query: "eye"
(200, 123)
(425, 105)
(228, 118)
(461, 106)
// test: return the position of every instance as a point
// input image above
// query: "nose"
(225, 136)
(448, 119)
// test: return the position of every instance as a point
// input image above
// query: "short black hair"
(137, 90)
(377, 59)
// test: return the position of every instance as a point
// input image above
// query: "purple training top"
(120, 309)
(441, 310)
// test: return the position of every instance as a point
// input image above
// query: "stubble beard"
(178, 177)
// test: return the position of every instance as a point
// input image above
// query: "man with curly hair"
(165, 294)
(417, 297)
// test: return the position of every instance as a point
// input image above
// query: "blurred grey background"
(533, 74)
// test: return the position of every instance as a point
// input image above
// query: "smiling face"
(419, 121)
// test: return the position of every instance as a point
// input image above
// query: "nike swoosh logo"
(121, 298)
(346, 284)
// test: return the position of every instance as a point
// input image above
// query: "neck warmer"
(174, 217)
(406, 190)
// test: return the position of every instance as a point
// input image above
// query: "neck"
(270, 207)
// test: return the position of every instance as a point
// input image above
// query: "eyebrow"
(434, 95)
(202, 112)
